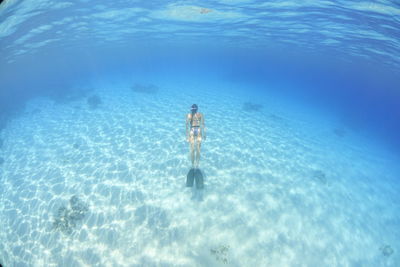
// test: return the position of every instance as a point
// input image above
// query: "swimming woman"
(195, 133)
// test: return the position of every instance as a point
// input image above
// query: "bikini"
(195, 130)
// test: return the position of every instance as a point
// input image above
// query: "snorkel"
(194, 109)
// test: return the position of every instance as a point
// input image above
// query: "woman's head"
(194, 108)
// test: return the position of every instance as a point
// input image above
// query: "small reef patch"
(250, 107)
(69, 216)
(320, 176)
(1, 161)
(94, 102)
(354, 121)
(145, 88)
(276, 118)
(386, 250)
(221, 253)
(63, 94)
(339, 132)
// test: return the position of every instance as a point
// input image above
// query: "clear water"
(301, 161)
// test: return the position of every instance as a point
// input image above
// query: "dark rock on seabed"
(221, 253)
(320, 176)
(386, 250)
(340, 132)
(67, 218)
(94, 102)
(249, 106)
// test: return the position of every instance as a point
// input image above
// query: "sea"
(299, 147)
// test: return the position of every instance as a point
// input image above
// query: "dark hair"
(194, 110)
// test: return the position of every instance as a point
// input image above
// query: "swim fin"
(190, 178)
(199, 179)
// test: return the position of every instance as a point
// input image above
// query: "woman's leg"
(198, 147)
(192, 155)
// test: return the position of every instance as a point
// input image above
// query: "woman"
(195, 133)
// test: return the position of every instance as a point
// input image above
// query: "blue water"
(301, 103)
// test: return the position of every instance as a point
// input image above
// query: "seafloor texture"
(100, 181)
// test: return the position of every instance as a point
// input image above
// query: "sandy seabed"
(100, 181)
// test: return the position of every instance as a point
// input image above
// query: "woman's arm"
(203, 127)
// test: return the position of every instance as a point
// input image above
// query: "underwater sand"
(283, 186)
